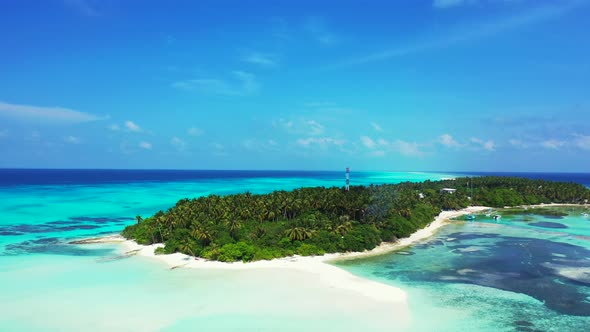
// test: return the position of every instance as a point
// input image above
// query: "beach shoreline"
(316, 267)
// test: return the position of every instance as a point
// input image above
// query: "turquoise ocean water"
(514, 275)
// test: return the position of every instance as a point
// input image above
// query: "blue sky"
(482, 85)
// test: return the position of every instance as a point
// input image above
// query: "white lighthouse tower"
(347, 188)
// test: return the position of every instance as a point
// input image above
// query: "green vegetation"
(314, 221)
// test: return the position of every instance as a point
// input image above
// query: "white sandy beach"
(316, 267)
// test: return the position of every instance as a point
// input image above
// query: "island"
(316, 221)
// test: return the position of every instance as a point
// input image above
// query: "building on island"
(347, 188)
(447, 191)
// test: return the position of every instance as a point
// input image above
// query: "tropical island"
(315, 221)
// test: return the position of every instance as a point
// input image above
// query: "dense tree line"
(312, 221)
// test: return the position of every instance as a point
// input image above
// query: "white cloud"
(132, 126)
(194, 131)
(284, 124)
(316, 27)
(301, 127)
(407, 148)
(518, 143)
(72, 140)
(242, 84)
(398, 146)
(486, 145)
(260, 145)
(553, 144)
(377, 153)
(145, 145)
(471, 32)
(582, 141)
(447, 3)
(382, 142)
(35, 135)
(83, 6)
(114, 127)
(261, 59)
(376, 126)
(177, 143)
(315, 128)
(46, 115)
(322, 142)
(368, 142)
(448, 141)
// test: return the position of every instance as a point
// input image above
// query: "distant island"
(314, 221)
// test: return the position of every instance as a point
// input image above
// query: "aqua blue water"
(522, 273)
(483, 276)
(47, 284)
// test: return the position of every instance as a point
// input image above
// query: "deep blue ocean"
(17, 177)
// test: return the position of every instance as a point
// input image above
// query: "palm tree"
(234, 226)
(299, 233)
(202, 234)
(138, 219)
(186, 247)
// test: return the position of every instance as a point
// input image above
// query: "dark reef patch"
(8, 233)
(516, 264)
(552, 217)
(72, 224)
(546, 224)
(53, 246)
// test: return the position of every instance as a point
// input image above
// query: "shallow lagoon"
(524, 273)
(49, 285)
(510, 275)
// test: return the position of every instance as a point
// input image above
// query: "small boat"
(585, 215)
(488, 214)
(470, 217)
(497, 217)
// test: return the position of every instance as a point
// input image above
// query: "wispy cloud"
(85, 7)
(261, 59)
(145, 145)
(582, 142)
(316, 27)
(72, 140)
(488, 145)
(322, 142)
(448, 141)
(261, 145)
(178, 144)
(376, 126)
(132, 126)
(218, 149)
(114, 127)
(443, 4)
(241, 84)
(46, 115)
(553, 144)
(472, 32)
(380, 147)
(315, 128)
(407, 148)
(517, 143)
(300, 127)
(194, 131)
(368, 142)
